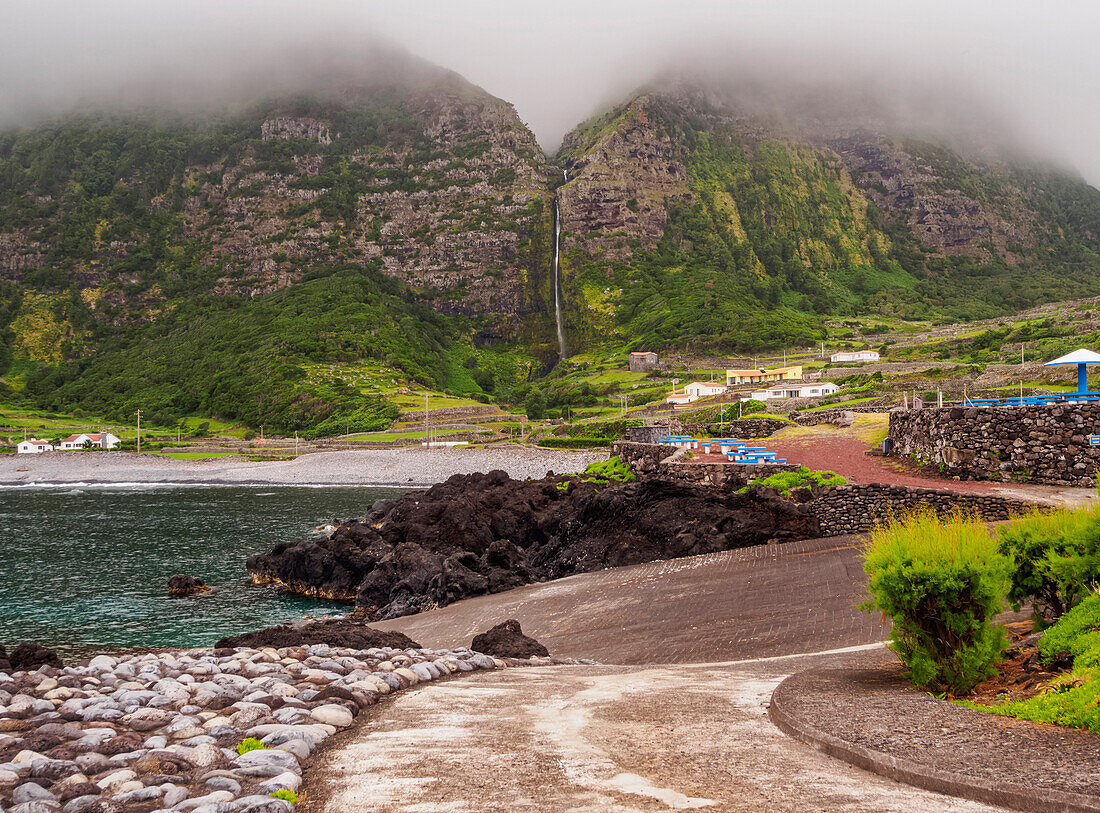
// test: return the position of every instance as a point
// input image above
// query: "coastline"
(394, 468)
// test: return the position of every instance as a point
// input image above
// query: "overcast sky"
(557, 62)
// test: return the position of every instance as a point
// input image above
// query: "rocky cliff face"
(443, 185)
(692, 217)
(808, 208)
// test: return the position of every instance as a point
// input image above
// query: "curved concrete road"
(685, 734)
(598, 739)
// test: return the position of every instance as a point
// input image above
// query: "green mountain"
(689, 220)
(240, 261)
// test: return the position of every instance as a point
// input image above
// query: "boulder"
(352, 633)
(508, 641)
(28, 657)
(180, 585)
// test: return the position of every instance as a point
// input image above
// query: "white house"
(855, 355)
(701, 390)
(815, 390)
(33, 446)
(103, 440)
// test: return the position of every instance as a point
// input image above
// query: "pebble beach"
(414, 467)
(164, 731)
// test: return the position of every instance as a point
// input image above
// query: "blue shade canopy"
(1076, 357)
(1081, 358)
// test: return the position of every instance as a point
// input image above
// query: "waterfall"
(557, 281)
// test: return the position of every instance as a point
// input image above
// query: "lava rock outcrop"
(486, 533)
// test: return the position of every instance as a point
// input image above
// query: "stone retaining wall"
(838, 509)
(745, 428)
(855, 508)
(450, 412)
(1035, 444)
(653, 460)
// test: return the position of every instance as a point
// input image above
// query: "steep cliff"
(216, 261)
(695, 214)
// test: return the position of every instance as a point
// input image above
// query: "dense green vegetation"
(941, 581)
(144, 233)
(242, 360)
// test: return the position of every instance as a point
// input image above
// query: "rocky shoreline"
(214, 730)
(486, 533)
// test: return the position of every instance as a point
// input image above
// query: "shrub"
(941, 581)
(613, 469)
(1056, 559)
(784, 481)
(1077, 631)
(286, 794)
(752, 406)
(534, 405)
(250, 744)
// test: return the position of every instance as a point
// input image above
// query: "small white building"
(855, 355)
(701, 390)
(33, 446)
(681, 398)
(816, 390)
(104, 440)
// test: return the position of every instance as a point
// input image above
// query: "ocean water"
(86, 567)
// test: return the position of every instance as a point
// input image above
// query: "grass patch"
(250, 744)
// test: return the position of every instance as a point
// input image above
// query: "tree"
(535, 404)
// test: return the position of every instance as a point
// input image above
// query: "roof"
(1081, 356)
(758, 370)
(89, 435)
(643, 353)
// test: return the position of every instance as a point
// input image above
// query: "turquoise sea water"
(86, 567)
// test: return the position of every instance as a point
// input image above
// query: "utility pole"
(295, 442)
(261, 433)
(139, 431)
(427, 442)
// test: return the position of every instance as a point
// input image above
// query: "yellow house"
(761, 376)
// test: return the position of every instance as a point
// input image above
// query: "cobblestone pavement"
(760, 601)
(599, 739)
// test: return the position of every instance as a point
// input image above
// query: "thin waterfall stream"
(557, 279)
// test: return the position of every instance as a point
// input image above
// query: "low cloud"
(1023, 70)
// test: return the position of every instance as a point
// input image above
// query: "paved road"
(653, 738)
(680, 724)
(761, 601)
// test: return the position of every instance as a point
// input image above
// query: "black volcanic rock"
(345, 632)
(507, 640)
(30, 656)
(180, 585)
(485, 533)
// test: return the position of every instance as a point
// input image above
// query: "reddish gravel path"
(845, 452)
(847, 455)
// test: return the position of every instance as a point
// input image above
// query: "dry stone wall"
(855, 508)
(653, 460)
(1041, 444)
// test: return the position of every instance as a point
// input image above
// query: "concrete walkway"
(598, 739)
